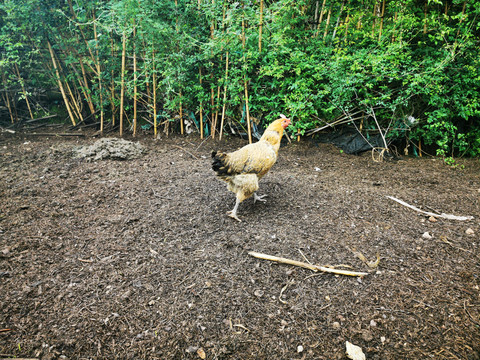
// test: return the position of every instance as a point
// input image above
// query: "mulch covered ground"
(136, 259)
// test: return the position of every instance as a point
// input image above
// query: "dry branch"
(305, 265)
(442, 215)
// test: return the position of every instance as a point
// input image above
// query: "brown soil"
(136, 259)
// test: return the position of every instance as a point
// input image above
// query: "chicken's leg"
(258, 198)
(233, 213)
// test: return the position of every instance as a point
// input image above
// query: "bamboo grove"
(406, 69)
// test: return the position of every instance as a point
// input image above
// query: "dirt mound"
(110, 148)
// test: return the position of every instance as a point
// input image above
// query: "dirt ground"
(136, 259)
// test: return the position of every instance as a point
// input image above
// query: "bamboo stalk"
(261, 27)
(62, 90)
(338, 20)
(154, 79)
(328, 23)
(20, 79)
(99, 70)
(249, 130)
(394, 26)
(181, 114)
(321, 17)
(347, 23)
(76, 107)
(224, 96)
(374, 14)
(461, 19)
(306, 265)
(180, 93)
(122, 88)
(201, 101)
(135, 82)
(7, 98)
(381, 21)
(425, 23)
(87, 89)
(213, 124)
(112, 84)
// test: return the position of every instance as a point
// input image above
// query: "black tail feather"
(219, 165)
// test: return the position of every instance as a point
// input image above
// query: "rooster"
(242, 169)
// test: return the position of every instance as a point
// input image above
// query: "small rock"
(299, 348)
(427, 236)
(192, 349)
(373, 323)
(469, 231)
(259, 293)
(201, 353)
(336, 325)
(432, 219)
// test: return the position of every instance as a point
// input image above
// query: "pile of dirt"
(110, 148)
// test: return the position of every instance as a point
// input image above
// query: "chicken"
(242, 169)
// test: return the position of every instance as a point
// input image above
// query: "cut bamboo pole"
(112, 84)
(374, 14)
(122, 86)
(338, 20)
(261, 27)
(224, 97)
(201, 101)
(425, 22)
(76, 104)
(306, 265)
(213, 124)
(87, 89)
(180, 92)
(249, 127)
(328, 23)
(382, 14)
(99, 71)
(181, 114)
(20, 79)
(249, 130)
(394, 25)
(135, 82)
(321, 18)
(59, 82)
(461, 18)
(154, 85)
(347, 23)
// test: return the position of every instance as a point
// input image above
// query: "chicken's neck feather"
(273, 138)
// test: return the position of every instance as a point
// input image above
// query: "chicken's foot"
(233, 212)
(258, 197)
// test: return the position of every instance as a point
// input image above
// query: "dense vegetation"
(405, 69)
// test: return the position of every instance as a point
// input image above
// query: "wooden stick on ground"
(305, 265)
(442, 215)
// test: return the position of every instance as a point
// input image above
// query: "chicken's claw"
(258, 198)
(233, 215)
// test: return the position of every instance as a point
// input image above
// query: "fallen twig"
(188, 152)
(442, 215)
(5, 330)
(305, 265)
